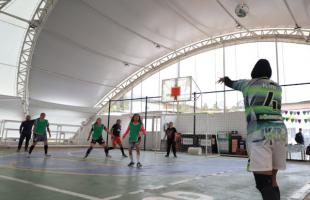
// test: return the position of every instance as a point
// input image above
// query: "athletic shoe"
(131, 164)
(47, 155)
(166, 156)
(139, 165)
(108, 156)
(175, 156)
(125, 156)
(28, 156)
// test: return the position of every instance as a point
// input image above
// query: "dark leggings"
(171, 143)
(21, 140)
(264, 185)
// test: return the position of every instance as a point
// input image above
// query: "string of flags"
(292, 116)
(304, 112)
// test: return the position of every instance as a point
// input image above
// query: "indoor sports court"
(66, 176)
(154, 99)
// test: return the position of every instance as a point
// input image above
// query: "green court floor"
(67, 176)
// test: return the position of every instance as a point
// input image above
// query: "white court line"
(136, 192)
(113, 197)
(153, 187)
(301, 193)
(69, 153)
(180, 182)
(83, 196)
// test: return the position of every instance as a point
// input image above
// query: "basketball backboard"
(177, 89)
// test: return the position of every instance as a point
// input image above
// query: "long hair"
(132, 118)
(97, 121)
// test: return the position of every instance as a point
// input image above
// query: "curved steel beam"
(3, 3)
(33, 31)
(281, 35)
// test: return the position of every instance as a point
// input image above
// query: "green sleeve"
(240, 85)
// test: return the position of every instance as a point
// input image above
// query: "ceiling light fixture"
(157, 45)
(34, 24)
(238, 26)
(297, 27)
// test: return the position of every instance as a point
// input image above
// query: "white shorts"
(267, 146)
(267, 156)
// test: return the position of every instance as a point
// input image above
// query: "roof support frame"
(3, 3)
(297, 26)
(286, 35)
(24, 66)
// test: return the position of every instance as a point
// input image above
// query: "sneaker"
(28, 156)
(125, 156)
(108, 156)
(166, 156)
(131, 164)
(47, 155)
(175, 156)
(18, 150)
(139, 165)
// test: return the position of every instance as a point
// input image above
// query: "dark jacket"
(26, 127)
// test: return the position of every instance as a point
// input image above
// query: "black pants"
(21, 140)
(171, 143)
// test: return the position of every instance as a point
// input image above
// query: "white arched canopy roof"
(82, 49)
(88, 47)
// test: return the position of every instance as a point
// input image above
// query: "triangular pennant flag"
(298, 112)
(299, 120)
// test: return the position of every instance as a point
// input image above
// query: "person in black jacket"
(170, 134)
(25, 130)
(299, 138)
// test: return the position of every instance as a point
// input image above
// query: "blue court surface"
(65, 175)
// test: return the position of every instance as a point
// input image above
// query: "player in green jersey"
(267, 133)
(134, 129)
(96, 137)
(40, 127)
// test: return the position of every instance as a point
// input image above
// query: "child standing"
(116, 133)
(135, 128)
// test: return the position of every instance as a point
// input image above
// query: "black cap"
(261, 69)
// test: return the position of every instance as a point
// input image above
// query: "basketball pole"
(109, 116)
(194, 123)
(145, 116)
